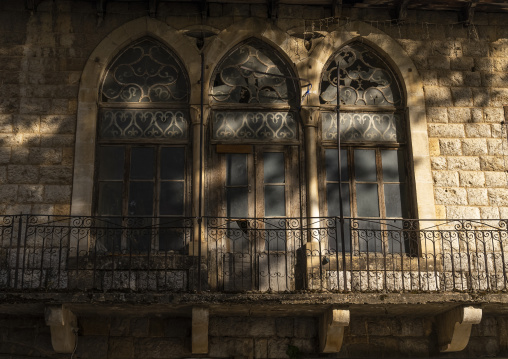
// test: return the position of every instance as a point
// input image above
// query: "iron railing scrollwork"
(60, 253)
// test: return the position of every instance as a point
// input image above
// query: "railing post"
(18, 248)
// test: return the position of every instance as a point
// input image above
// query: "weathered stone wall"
(42, 56)
(241, 337)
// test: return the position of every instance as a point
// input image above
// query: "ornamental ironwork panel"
(145, 72)
(365, 79)
(244, 125)
(253, 73)
(375, 127)
(132, 124)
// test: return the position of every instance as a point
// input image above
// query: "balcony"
(57, 253)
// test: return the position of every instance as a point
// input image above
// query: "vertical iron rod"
(200, 196)
(341, 209)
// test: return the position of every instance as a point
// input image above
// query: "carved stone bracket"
(454, 327)
(331, 329)
(195, 112)
(309, 116)
(200, 318)
(64, 328)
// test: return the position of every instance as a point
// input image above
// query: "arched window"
(142, 147)
(373, 153)
(255, 137)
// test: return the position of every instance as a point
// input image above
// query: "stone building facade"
(421, 249)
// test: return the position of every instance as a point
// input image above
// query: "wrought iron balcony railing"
(57, 253)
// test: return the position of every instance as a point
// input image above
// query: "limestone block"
(484, 64)
(429, 77)
(466, 163)
(26, 123)
(450, 78)
(438, 163)
(121, 348)
(437, 115)
(22, 174)
(8, 193)
(462, 63)
(472, 79)
(19, 155)
(477, 197)
(42, 155)
(489, 212)
(3, 174)
(459, 115)
(477, 115)
(475, 48)
(498, 97)
(57, 194)
(6, 123)
(493, 115)
(492, 163)
(454, 327)
(58, 124)
(438, 62)
(481, 97)
(471, 179)
(64, 328)
(462, 212)
(434, 147)
(499, 48)
(30, 193)
(437, 96)
(471, 147)
(331, 329)
(56, 174)
(305, 327)
(450, 147)
(44, 209)
(478, 130)
(498, 196)
(200, 319)
(462, 96)
(450, 196)
(445, 178)
(496, 146)
(446, 130)
(495, 179)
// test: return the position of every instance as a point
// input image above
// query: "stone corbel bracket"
(200, 319)
(331, 329)
(454, 327)
(64, 328)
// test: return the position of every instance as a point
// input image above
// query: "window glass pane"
(141, 199)
(275, 203)
(140, 234)
(369, 236)
(395, 200)
(172, 163)
(108, 234)
(332, 165)
(367, 199)
(111, 162)
(110, 198)
(365, 165)
(171, 198)
(273, 167)
(236, 169)
(172, 235)
(275, 235)
(237, 202)
(142, 163)
(334, 236)
(393, 170)
(332, 198)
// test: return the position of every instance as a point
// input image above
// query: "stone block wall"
(43, 54)
(245, 337)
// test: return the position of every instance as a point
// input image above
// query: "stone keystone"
(454, 327)
(64, 328)
(331, 329)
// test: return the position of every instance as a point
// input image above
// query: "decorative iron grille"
(365, 79)
(145, 72)
(246, 125)
(133, 124)
(253, 73)
(362, 127)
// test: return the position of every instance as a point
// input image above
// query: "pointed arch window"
(142, 148)
(374, 177)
